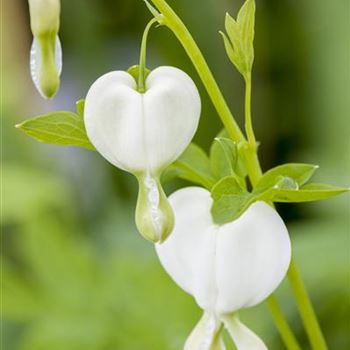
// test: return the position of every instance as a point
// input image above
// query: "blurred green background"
(76, 274)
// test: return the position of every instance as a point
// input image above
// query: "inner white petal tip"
(35, 62)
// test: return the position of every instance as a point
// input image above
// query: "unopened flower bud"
(46, 52)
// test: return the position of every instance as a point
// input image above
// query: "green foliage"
(308, 193)
(285, 183)
(226, 159)
(59, 128)
(66, 292)
(300, 173)
(193, 165)
(240, 38)
(230, 200)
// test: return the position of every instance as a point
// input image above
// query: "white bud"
(46, 52)
(143, 133)
(229, 267)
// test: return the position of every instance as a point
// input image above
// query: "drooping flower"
(46, 51)
(143, 133)
(225, 268)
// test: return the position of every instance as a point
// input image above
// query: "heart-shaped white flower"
(143, 133)
(140, 132)
(229, 267)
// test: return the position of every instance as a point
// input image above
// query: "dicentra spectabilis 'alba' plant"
(143, 133)
(226, 268)
(46, 52)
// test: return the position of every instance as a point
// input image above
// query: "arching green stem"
(248, 113)
(143, 53)
(174, 23)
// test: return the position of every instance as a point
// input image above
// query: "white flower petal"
(37, 70)
(227, 267)
(206, 335)
(253, 255)
(242, 336)
(188, 254)
(142, 132)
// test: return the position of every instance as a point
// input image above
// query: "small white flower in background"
(143, 133)
(226, 268)
(46, 51)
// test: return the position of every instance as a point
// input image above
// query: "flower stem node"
(46, 51)
(143, 133)
(226, 267)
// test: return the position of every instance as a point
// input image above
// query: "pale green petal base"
(154, 216)
(242, 336)
(206, 335)
(46, 64)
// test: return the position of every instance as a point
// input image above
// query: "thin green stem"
(174, 23)
(281, 324)
(248, 112)
(143, 52)
(306, 310)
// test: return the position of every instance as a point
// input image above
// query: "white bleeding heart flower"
(226, 268)
(143, 133)
(46, 51)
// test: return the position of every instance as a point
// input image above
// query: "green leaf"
(300, 173)
(226, 158)
(240, 38)
(58, 128)
(193, 165)
(233, 30)
(80, 108)
(233, 54)
(246, 22)
(308, 193)
(230, 200)
(223, 157)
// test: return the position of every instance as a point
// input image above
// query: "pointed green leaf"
(193, 165)
(298, 172)
(80, 108)
(233, 54)
(233, 31)
(308, 193)
(239, 43)
(246, 21)
(58, 128)
(220, 150)
(230, 200)
(223, 157)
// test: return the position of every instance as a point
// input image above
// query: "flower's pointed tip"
(152, 9)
